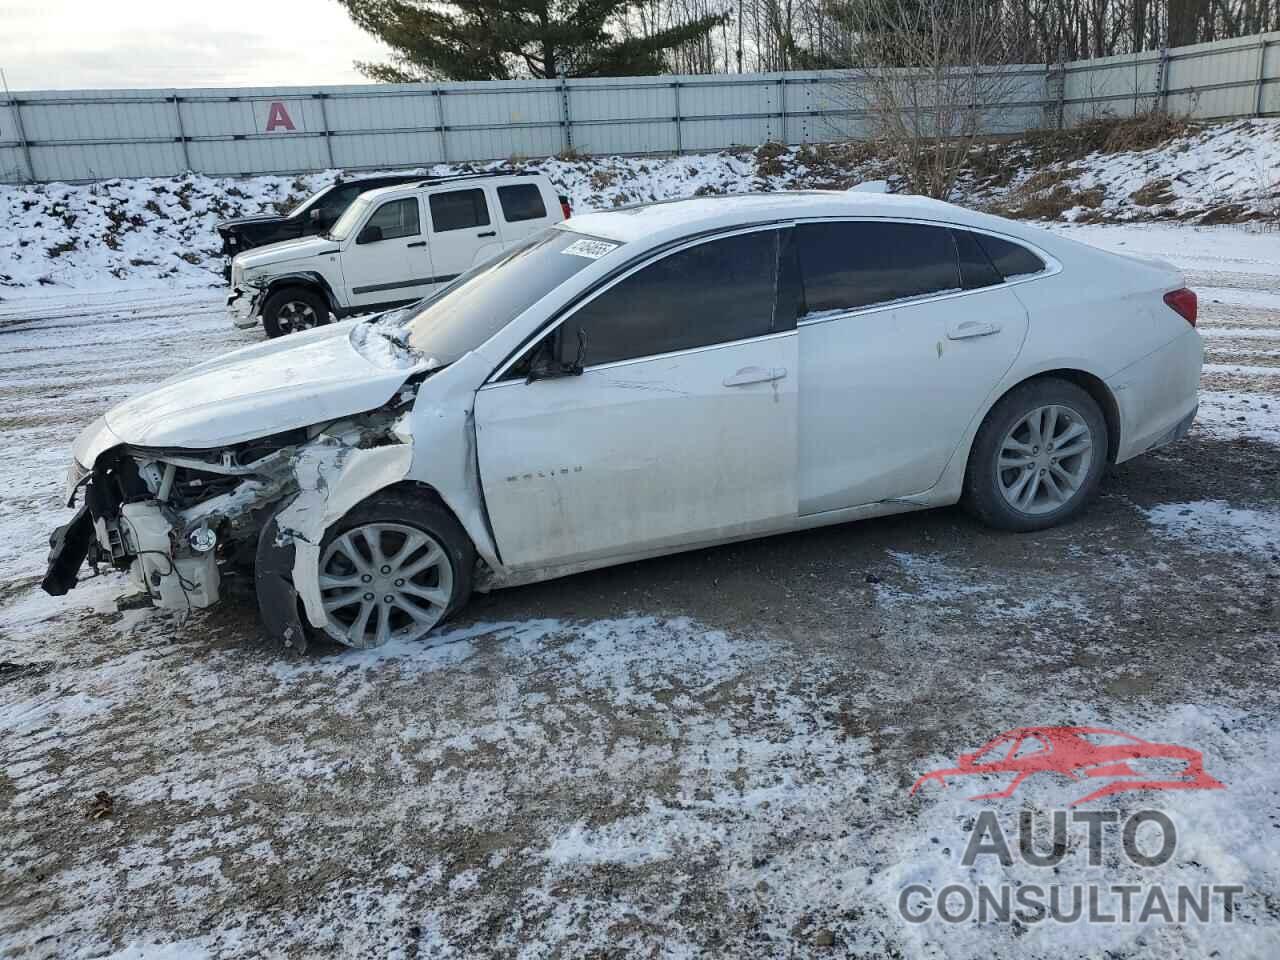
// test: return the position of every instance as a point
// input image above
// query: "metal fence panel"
(92, 134)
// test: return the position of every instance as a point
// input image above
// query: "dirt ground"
(704, 755)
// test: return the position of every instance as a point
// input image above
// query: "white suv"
(392, 246)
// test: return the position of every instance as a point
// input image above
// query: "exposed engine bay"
(181, 521)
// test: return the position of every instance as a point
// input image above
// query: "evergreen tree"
(505, 39)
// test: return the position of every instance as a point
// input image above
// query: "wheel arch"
(1090, 383)
(307, 279)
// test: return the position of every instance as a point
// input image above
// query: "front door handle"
(755, 375)
(972, 328)
(488, 233)
(417, 243)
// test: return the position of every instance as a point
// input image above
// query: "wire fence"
(103, 134)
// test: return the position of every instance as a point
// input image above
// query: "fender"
(305, 278)
(332, 479)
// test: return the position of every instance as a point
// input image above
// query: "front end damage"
(188, 524)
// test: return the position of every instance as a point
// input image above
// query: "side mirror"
(370, 234)
(546, 366)
(314, 215)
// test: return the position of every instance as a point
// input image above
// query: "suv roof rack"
(429, 181)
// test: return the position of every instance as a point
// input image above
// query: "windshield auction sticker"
(591, 249)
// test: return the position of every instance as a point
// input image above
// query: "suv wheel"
(293, 309)
(1038, 457)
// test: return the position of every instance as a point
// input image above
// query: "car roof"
(424, 180)
(664, 220)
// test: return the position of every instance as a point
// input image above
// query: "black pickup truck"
(312, 216)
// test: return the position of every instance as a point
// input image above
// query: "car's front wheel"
(392, 569)
(293, 309)
(1038, 457)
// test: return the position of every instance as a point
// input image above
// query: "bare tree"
(930, 77)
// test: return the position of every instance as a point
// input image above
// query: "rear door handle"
(417, 243)
(755, 375)
(972, 328)
(488, 233)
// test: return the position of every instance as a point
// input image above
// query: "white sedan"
(635, 383)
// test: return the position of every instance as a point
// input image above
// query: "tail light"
(564, 208)
(1183, 302)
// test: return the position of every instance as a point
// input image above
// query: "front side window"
(458, 210)
(715, 292)
(852, 264)
(521, 201)
(396, 218)
(333, 203)
(351, 219)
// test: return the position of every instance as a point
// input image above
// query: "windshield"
(347, 222)
(486, 298)
(308, 202)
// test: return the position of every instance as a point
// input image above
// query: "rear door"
(681, 429)
(464, 229)
(898, 354)
(393, 266)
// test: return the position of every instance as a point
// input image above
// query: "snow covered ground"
(709, 754)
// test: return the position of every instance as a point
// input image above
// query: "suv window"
(521, 201)
(458, 210)
(715, 292)
(1010, 259)
(397, 218)
(857, 264)
(335, 201)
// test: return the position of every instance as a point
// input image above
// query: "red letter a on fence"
(278, 116)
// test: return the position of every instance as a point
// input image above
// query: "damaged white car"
(635, 383)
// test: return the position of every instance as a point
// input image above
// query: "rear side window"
(397, 218)
(860, 264)
(521, 201)
(976, 270)
(458, 210)
(1010, 259)
(716, 292)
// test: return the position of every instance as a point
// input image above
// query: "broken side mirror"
(370, 234)
(546, 365)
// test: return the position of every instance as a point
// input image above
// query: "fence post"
(1162, 80)
(1056, 88)
(679, 140)
(1262, 76)
(182, 131)
(566, 117)
(324, 119)
(444, 140)
(782, 106)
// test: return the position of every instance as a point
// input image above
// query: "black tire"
(405, 507)
(983, 490)
(292, 309)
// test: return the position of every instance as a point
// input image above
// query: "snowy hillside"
(160, 231)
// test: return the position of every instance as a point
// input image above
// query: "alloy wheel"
(383, 581)
(296, 315)
(1043, 461)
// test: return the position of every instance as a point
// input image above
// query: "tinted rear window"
(1011, 259)
(859, 264)
(521, 201)
(458, 210)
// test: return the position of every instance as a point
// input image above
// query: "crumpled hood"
(283, 384)
(224, 225)
(284, 251)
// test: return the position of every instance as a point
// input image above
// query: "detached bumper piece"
(242, 307)
(68, 546)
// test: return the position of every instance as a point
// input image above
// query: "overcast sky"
(64, 44)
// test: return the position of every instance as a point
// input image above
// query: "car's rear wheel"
(393, 569)
(1038, 457)
(293, 309)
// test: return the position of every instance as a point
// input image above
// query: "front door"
(681, 429)
(896, 356)
(389, 259)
